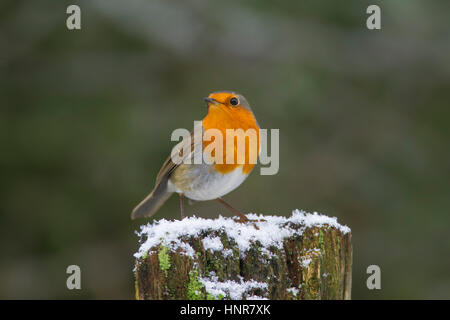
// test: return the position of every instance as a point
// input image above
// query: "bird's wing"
(189, 145)
(160, 193)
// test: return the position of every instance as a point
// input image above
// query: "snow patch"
(306, 262)
(271, 232)
(293, 290)
(227, 253)
(212, 244)
(233, 289)
(255, 298)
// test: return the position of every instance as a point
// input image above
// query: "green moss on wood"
(195, 289)
(164, 259)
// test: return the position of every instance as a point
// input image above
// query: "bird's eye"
(234, 101)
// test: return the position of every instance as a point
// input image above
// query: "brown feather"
(160, 194)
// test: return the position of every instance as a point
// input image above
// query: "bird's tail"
(152, 202)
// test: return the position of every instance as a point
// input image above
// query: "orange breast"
(223, 118)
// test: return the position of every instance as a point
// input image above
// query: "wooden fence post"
(305, 256)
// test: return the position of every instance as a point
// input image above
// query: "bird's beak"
(209, 101)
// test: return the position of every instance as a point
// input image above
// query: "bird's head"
(227, 100)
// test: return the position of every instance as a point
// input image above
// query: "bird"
(213, 179)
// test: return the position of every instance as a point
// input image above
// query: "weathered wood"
(313, 261)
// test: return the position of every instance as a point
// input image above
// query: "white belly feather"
(205, 184)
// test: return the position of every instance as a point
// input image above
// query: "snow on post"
(305, 256)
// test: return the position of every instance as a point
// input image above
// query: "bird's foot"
(244, 219)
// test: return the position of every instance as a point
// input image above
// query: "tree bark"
(314, 262)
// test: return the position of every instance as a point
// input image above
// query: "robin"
(207, 180)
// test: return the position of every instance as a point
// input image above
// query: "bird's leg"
(182, 205)
(241, 216)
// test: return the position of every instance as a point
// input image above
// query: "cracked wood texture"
(316, 263)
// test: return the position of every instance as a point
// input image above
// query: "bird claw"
(242, 220)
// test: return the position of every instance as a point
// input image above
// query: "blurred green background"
(86, 117)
